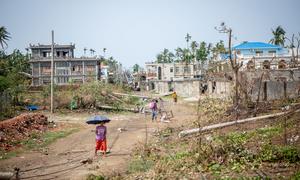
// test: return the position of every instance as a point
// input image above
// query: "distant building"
(67, 68)
(180, 77)
(254, 55)
(172, 71)
(259, 55)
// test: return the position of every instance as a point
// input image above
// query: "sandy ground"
(63, 158)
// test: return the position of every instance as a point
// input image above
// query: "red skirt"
(101, 145)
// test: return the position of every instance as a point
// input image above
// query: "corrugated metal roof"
(255, 45)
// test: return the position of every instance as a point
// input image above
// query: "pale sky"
(135, 31)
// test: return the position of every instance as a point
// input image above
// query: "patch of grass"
(296, 176)
(215, 168)
(140, 165)
(272, 153)
(7, 155)
(37, 141)
(269, 132)
(42, 140)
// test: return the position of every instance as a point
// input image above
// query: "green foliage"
(12, 82)
(272, 153)
(268, 132)
(94, 177)
(279, 36)
(139, 165)
(296, 176)
(215, 168)
(4, 36)
(203, 52)
(4, 83)
(136, 68)
(39, 140)
(165, 57)
(218, 48)
(132, 100)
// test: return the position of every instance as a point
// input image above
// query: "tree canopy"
(4, 37)
(278, 36)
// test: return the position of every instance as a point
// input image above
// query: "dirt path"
(63, 158)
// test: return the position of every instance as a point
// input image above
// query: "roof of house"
(224, 56)
(48, 46)
(255, 45)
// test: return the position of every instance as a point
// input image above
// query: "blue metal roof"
(224, 56)
(255, 45)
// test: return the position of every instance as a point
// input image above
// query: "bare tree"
(294, 43)
(233, 61)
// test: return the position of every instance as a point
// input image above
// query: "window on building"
(171, 69)
(195, 67)
(259, 53)
(282, 64)
(272, 53)
(185, 69)
(177, 70)
(250, 65)
(266, 64)
(44, 54)
(65, 54)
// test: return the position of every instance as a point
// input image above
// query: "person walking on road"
(174, 96)
(101, 139)
(154, 109)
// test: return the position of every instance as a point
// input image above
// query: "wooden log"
(6, 175)
(115, 98)
(225, 124)
(118, 109)
(134, 95)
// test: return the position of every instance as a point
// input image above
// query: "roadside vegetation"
(39, 140)
(268, 149)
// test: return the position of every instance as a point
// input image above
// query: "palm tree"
(179, 54)
(279, 36)
(4, 36)
(194, 46)
(136, 68)
(165, 57)
(104, 50)
(187, 38)
(84, 50)
(92, 52)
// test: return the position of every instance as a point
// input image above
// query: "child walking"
(101, 139)
(154, 109)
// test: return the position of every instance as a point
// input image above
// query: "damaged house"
(267, 70)
(181, 77)
(67, 68)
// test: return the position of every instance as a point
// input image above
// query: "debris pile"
(19, 128)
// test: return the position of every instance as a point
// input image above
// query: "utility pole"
(234, 64)
(52, 70)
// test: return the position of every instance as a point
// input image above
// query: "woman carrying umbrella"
(101, 139)
(100, 132)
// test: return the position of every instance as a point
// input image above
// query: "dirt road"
(63, 158)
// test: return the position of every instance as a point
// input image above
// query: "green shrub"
(273, 153)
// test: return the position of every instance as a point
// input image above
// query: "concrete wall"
(218, 88)
(276, 84)
(184, 88)
(187, 88)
